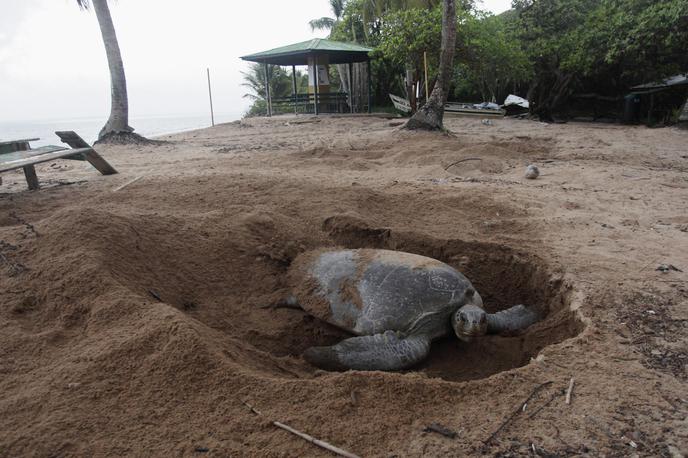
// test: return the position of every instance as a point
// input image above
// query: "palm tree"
(430, 115)
(280, 82)
(327, 23)
(117, 126)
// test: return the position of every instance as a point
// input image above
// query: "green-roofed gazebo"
(317, 54)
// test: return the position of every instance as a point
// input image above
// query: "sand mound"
(137, 322)
(136, 305)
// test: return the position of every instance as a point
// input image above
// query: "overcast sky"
(53, 66)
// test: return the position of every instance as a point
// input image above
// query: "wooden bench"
(19, 155)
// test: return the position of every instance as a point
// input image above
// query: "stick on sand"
(462, 160)
(119, 188)
(309, 438)
(569, 391)
(516, 412)
(315, 441)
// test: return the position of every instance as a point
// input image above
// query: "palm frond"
(337, 8)
(324, 23)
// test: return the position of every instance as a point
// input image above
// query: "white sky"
(52, 61)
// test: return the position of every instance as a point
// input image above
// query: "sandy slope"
(91, 363)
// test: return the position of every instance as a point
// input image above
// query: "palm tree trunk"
(430, 116)
(119, 109)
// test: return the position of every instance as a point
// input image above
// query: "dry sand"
(92, 364)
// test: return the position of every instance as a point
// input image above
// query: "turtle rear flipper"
(513, 319)
(387, 352)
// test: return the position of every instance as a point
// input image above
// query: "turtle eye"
(462, 318)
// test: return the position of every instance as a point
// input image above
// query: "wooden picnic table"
(10, 146)
(16, 154)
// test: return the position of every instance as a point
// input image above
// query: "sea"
(88, 128)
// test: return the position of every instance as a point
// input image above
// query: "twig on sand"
(315, 441)
(253, 409)
(462, 160)
(155, 295)
(516, 412)
(119, 188)
(439, 429)
(537, 411)
(307, 437)
(569, 391)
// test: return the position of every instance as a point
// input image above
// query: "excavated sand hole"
(227, 282)
(503, 276)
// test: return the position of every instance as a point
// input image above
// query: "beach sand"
(138, 321)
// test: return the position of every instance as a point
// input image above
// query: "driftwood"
(569, 391)
(309, 438)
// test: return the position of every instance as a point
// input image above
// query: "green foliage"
(602, 46)
(280, 85)
(405, 35)
(554, 48)
(631, 41)
(489, 57)
(491, 61)
(634, 40)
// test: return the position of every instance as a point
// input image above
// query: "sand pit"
(139, 321)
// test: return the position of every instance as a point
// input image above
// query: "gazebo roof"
(298, 53)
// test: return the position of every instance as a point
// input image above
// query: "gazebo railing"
(331, 102)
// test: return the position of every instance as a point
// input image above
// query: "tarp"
(516, 100)
(486, 106)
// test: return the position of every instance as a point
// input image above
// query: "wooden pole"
(294, 91)
(425, 63)
(210, 95)
(370, 90)
(351, 87)
(317, 83)
(268, 99)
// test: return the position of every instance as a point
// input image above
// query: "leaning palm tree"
(117, 126)
(431, 115)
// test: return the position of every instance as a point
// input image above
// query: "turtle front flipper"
(388, 351)
(512, 319)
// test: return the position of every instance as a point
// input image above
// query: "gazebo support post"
(317, 83)
(293, 87)
(351, 87)
(267, 90)
(370, 92)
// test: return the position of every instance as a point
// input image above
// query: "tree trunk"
(118, 123)
(344, 84)
(550, 90)
(410, 91)
(430, 116)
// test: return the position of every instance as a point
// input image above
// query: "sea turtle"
(395, 303)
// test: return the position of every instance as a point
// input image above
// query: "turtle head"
(469, 322)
